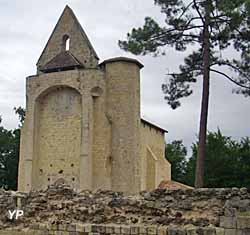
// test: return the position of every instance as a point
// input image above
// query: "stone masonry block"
(220, 231)
(80, 228)
(228, 222)
(134, 229)
(96, 228)
(243, 231)
(34, 226)
(142, 230)
(60, 233)
(162, 231)
(109, 229)
(53, 227)
(22, 232)
(69, 233)
(230, 231)
(94, 233)
(42, 232)
(152, 230)
(62, 227)
(71, 228)
(125, 229)
(208, 231)
(191, 231)
(87, 228)
(117, 229)
(243, 222)
(176, 231)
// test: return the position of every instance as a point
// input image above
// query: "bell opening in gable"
(65, 43)
(68, 47)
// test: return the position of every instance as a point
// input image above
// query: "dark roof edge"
(125, 59)
(66, 53)
(154, 126)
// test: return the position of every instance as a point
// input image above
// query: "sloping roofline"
(154, 126)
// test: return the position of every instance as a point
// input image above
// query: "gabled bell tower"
(68, 47)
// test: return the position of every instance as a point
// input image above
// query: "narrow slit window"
(67, 44)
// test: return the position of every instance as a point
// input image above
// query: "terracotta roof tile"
(169, 184)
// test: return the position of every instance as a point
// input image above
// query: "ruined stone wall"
(93, 229)
(154, 167)
(166, 212)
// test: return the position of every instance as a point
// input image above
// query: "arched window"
(66, 43)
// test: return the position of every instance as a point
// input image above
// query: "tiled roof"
(170, 184)
(64, 60)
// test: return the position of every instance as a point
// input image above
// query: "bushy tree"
(9, 156)
(175, 153)
(211, 27)
(227, 163)
(9, 152)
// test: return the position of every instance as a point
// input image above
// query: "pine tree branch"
(218, 28)
(246, 76)
(190, 21)
(183, 29)
(179, 34)
(229, 78)
(198, 11)
(220, 20)
(185, 9)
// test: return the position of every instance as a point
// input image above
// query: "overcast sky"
(26, 25)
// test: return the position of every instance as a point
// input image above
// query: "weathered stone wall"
(94, 229)
(83, 83)
(173, 212)
(101, 145)
(154, 167)
(58, 137)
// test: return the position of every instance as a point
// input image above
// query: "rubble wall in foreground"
(59, 210)
(94, 229)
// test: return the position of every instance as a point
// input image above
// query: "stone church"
(83, 122)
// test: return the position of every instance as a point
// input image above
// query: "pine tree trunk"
(200, 162)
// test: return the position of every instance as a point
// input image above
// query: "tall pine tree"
(211, 26)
